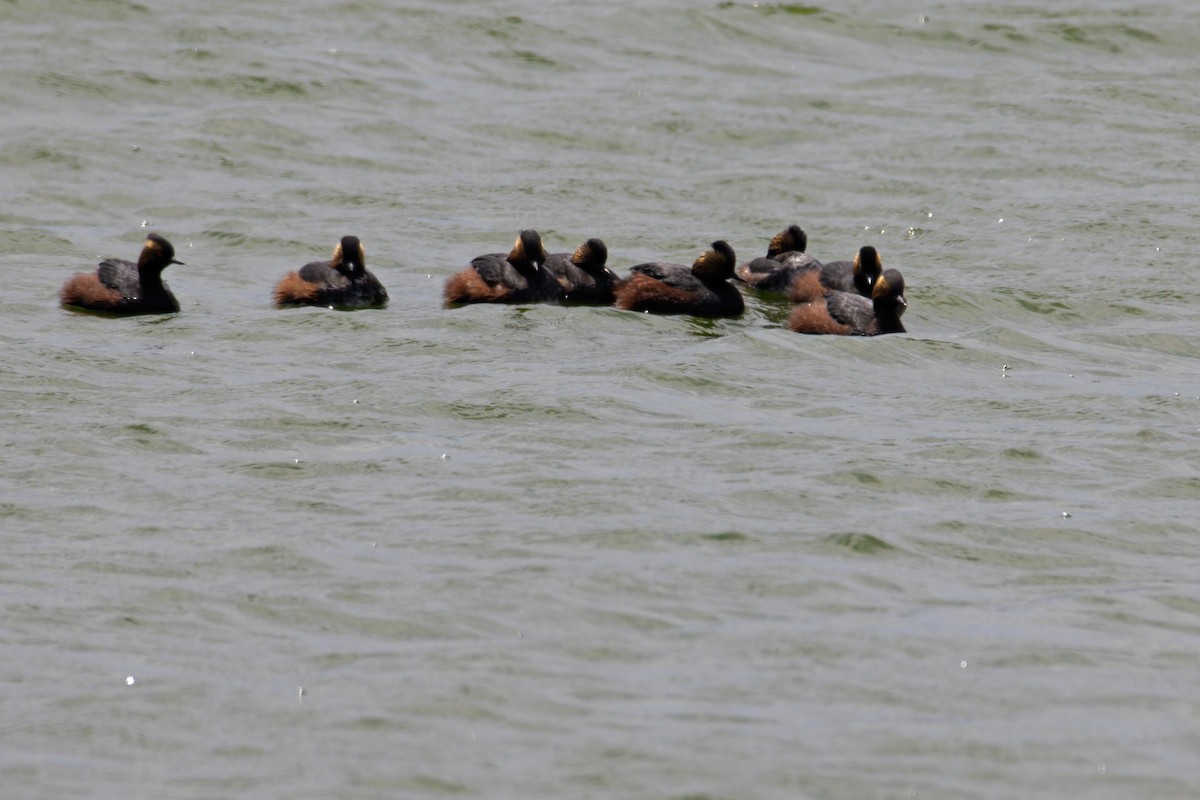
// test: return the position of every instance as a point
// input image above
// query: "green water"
(557, 552)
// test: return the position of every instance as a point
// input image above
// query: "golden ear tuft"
(152, 245)
(336, 259)
(778, 243)
(528, 247)
(581, 254)
(873, 257)
(791, 238)
(716, 262)
(711, 264)
(782, 242)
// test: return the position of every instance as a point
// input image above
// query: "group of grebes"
(847, 298)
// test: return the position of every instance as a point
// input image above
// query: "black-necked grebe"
(858, 275)
(518, 277)
(122, 287)
(702, 290)
(583, 276)
(341, 282)
(824, 311)
(785, 259)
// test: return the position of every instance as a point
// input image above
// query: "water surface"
(577, 552)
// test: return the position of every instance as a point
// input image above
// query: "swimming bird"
(826, 311)
(702, 290)
(858, 275)
(785, 258)
(341, 282)
(123, 288)
(518, 277)
(582, 274)
(786, 261)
